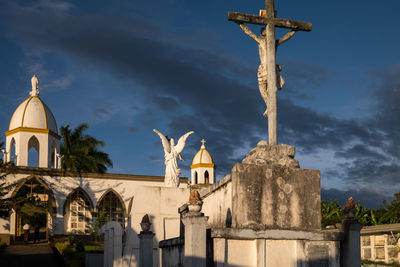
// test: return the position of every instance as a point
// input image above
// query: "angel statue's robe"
(172, 171)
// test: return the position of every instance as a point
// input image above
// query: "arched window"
(53, 161)
(206, 178)
(195, 177)
(33, 152)
(13, 157)
(80, 216)
(113, 206)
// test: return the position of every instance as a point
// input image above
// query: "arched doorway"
(35, 206)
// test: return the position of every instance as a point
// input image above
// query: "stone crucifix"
(267, 72)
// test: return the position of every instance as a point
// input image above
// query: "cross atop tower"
(267, 72)
(202, 143)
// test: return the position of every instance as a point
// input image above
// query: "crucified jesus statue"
(262, 73)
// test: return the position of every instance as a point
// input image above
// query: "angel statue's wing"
(165, 142)
(181, 142)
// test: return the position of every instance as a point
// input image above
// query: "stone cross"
(203, 142)
(269, 56)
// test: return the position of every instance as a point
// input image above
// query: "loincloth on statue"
(263, 77)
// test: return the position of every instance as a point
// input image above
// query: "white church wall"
(161, 204)
(95, 188)
(4, 225)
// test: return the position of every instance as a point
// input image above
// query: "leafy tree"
(81, 152)
(390, 213)
(33, 212)
(364, 215)
(6, 203)
(331, 213)
(102, 218)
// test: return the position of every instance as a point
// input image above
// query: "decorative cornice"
(107, 176)
(32, 130)
(206, 165)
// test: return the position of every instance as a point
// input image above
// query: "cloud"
(216, 95)
(133, 130)
(165, 103)
(367, 197)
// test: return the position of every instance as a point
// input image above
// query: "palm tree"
(80, 151)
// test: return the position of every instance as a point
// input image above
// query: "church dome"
(202, 158)
(33, 113)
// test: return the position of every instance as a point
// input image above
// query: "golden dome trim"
(23, 113)
(206, 165)
(32, 130)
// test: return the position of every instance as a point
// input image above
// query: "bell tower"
(32, 125)
(203, 167)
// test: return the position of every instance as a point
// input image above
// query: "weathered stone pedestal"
(112, 243)
(267, 212)
(270, 191)
(146, 248)
(195, 238)
(350, 250)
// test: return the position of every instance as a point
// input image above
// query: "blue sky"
(126, 67)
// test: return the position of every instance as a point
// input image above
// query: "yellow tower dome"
(203, 167)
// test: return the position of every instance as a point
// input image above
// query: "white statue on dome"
(35, 86)
(171, 153)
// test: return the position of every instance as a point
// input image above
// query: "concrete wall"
(161, 204)
(272, 253)
(5, 230)
(172, 251)
(217, 203)
(270, 248)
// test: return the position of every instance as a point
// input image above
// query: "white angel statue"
(172, 151)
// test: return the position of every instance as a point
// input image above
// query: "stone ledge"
(177, 241)
(208, 191)
(248, 234)
(265, 154)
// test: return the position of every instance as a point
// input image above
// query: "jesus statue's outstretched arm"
(286, 37)
(247, 31)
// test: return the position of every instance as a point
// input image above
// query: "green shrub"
(79, 246)
(3, 245)
(71, 239)
(61, 246)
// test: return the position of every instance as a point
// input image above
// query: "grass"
(94, 249)
(74, 254)
(380, 263)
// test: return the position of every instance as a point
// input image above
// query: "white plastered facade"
(140, 195)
